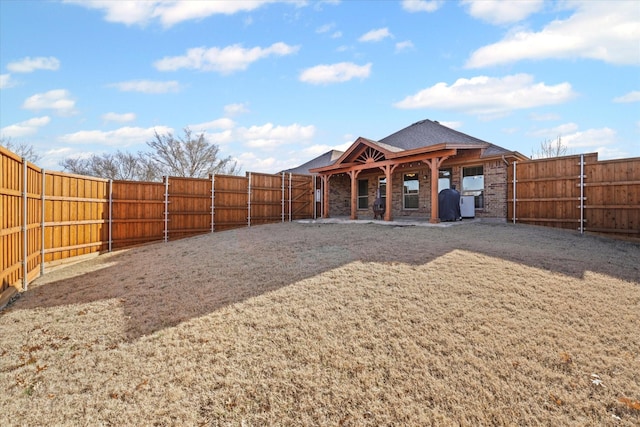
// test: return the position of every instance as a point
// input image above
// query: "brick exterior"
(495, 191)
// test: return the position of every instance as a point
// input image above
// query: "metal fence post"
(282, 202)
(514, 192)
(25, 251)
(249, 202)
(42, 234)
(166, 208)
(110, 214)
(290, 197)
(213, 205)
(581, 193)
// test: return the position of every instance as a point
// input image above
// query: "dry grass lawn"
(333, 325)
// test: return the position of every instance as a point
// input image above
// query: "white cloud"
(488, 96)
(122, 137)
(452, 125)
(421, 5)
(554, 132)
(28, 64)
(267, 164)
(325, 28)
(601, 140)
(223, 60)
(223, 123)
(605, 31)
(590, 138)
(5, 81)
(57, 100)
(335, 73)
(167, 12)
(25, 128)
(500, 12)
(261, 137)
(405, 45)
(173, 12)
(222, 138)
(633, 96)
(147, 86)
(375, 35)
(235, 109)
(269, 136)
(121, 118)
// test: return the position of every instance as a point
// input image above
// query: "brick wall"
(495, 192)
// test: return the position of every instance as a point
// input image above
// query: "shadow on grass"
(161, 285)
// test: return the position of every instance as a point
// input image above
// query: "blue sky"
(275, 84)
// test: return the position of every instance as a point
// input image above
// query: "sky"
(276, 83)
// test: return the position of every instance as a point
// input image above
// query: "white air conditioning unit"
(467, 207)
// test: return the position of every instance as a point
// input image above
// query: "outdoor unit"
(467, 207)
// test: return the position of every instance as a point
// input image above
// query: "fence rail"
(577, 192)
(48, 217)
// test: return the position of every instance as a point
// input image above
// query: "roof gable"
(365, 150)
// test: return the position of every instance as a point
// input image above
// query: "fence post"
(166, 208)
(581, 193)
(313, 199)
(249, 202)
(321, 197)
(42, 234)
(213, 205)
(110, 214)
(282, 203)
(290, 197)
(25, 251)
(514, 192)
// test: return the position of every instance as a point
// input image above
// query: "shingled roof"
(325, 159)
(430, 132)
(421, 137)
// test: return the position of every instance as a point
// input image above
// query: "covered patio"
(367, 155)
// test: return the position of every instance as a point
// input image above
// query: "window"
(444, 179)
(363, 194)
(411, 189)
(382, 186)
(473, 184)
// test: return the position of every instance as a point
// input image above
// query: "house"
(410, 167)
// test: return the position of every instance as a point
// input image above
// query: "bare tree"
(550, 148)
(120, 165)
(189, 156)
(21, 149)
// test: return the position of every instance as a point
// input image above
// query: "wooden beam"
(325, 195)
(388, 173)
(353, 174)
(346, 167)
(434, 165)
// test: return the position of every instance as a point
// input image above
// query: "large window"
(444, 179)
(363, 194)
(411, 190)
(473, 184)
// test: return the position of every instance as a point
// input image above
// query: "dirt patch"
(333, 324)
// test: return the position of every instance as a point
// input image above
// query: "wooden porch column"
(354, 192)
(388, 173)
(434, 165)
(325, 195)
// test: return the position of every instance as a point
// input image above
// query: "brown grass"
(333, 324)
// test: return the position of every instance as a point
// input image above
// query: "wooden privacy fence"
(577, 192)
(47, 217)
